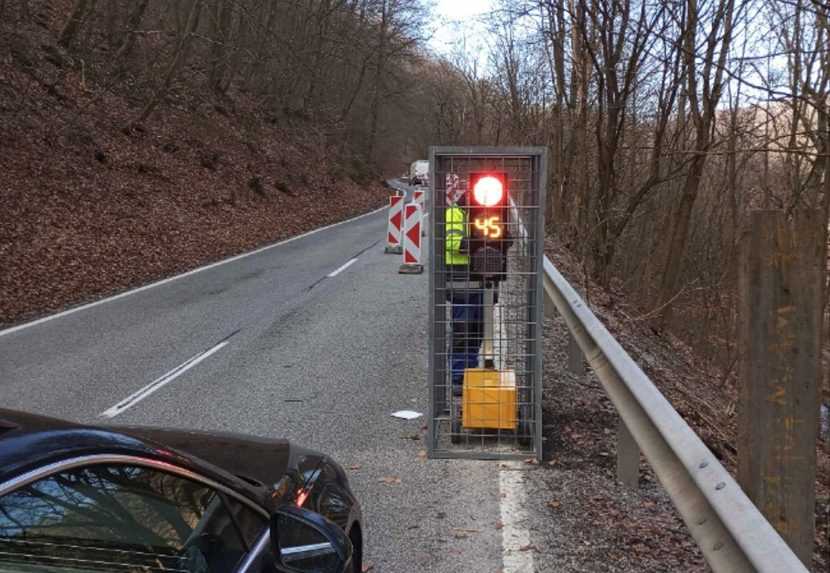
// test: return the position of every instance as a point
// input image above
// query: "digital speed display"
(489, 227)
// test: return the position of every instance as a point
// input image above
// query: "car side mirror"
(306, 542)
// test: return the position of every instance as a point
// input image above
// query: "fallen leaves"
(465, 530)
(390, 480)
(87, 219)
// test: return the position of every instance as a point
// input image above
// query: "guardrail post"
(576, 360)
(779, 340)
(628, 457)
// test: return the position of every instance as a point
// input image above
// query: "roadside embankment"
(92, 202)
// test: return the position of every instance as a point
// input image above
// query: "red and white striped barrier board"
(412, 240)
(393, 229)
(418, 198)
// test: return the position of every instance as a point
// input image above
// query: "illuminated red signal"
(489, 215)
(488, 191)
(488, 204)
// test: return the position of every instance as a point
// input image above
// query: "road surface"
(318, 340)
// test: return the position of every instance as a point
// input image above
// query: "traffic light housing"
(489, 213)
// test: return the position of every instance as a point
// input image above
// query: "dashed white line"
(161, 381)
(341, 269)
(517, 551)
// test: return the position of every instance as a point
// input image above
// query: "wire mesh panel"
(486, 246)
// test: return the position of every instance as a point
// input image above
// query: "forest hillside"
(140, 139)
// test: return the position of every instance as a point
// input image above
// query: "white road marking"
(177, 277)
(341, 269)
(161, 381)
(517, 551)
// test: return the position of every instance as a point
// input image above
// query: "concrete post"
(779, 336)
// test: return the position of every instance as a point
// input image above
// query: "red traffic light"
(488, 191)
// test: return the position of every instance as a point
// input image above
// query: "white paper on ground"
(406, 414)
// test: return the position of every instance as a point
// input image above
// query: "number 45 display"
(489, 227)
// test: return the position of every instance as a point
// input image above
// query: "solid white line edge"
(517, 551)
(69, 311)
(160, 382)
(342, 268)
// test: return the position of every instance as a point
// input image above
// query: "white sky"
(453, 20)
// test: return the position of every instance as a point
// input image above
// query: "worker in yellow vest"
(463, 291)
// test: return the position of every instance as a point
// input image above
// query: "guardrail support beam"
(576, 361)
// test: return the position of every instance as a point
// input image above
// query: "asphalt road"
(297, 351)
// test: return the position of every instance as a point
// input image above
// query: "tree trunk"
(24, 14)
(323, 15)
(378, 88)
(679, 234)
(126, 47)
(218, 50)
(178, 57)
(703, 107)
(76, 17)
(112, 17)
(256, 68)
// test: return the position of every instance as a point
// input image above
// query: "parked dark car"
(77, 498)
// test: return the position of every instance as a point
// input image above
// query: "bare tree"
(129, 36)
(716, 25)
(80, 12)
(178, 57)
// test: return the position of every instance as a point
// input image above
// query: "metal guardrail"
(730, 531)
(398, 185)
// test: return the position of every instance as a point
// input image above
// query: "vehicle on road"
(419, 172)
(100, 498)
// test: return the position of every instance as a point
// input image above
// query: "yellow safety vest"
(455, 229)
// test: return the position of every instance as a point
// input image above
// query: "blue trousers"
(467, 333)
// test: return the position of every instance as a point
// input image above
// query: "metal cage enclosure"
(486, 315)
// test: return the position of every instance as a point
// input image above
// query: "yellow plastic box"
(489, 399)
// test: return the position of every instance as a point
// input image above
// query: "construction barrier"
(412, 240)
(418, 198)
(393, 229)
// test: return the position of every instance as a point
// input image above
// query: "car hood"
(255, 459)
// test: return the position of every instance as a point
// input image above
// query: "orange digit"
(493, 222)
(490, 227)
